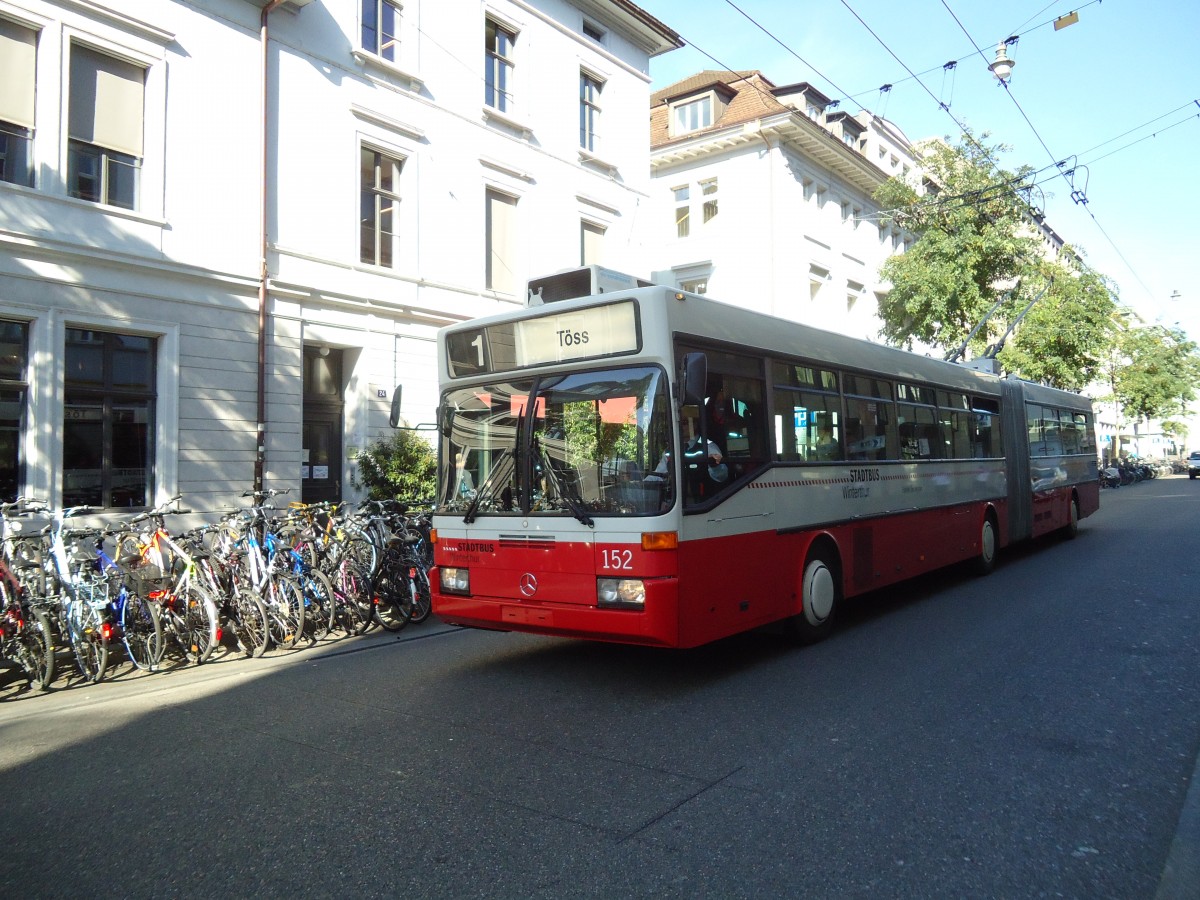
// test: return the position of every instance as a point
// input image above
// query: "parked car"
(1194, 464)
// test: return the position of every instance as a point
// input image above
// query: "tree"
(402, 466)
(977, 246)
(1158, 374)
(1065, 338)
(973, 237)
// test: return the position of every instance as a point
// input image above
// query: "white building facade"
(225, 227)
(763, 198)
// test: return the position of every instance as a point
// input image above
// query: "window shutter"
(593, 244)
(501, 226)
(107, 97)
(18, 62)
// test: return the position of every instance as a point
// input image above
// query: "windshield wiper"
(574, 504)
(505, 464)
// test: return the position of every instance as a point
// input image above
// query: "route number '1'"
(617, 559)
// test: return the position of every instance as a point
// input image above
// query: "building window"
(379, 207)
(104, 154)
(692, 116)
(18, 62)
(500, 229)
(591, 244)
(708, 191)
(381, 28)
(695, 285)
(108, 419)
(589, 110)
(498, 48)
(817, 276)
(682, 211)
(14, 358)
(593, 32)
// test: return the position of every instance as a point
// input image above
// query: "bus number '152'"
(617, 559)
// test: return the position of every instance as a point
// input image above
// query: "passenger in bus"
(826, 447)
(464, 480)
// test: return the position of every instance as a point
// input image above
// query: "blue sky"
(1114, 95)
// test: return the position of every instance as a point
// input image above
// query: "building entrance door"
(321, 457)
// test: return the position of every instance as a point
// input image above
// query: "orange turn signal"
(660, 540)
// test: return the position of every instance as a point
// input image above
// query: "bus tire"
(819, 594)
(1072, 527)
(986, 560)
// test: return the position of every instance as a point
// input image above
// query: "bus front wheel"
(819, 592)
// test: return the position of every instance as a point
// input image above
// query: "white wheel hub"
(819, 592)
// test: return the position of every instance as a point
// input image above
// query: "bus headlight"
(455, 580)
(621, 593)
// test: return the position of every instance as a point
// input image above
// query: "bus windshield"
(582, 444)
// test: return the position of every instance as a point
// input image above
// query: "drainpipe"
(260, 457)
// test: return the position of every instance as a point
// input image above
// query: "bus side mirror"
(446, 420)
(695, 378)
(394, 415)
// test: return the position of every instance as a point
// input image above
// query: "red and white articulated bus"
(650, 466)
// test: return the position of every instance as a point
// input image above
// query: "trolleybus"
(646, 465)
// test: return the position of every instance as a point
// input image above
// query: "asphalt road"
(1032, 733)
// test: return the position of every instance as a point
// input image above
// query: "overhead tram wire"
(1062, 171)
(933, 69)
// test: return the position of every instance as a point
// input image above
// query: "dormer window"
(692, 115)
(696, 112)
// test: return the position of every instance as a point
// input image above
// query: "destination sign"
(557, 336)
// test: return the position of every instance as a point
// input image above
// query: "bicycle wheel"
(318, 605)
(388, 591)
(358, 547)
(422, 594)
(199, 633)
(284, 600)
(352, 591)
(36, 650)
(88, 641)
(251, 625)
(141, 632)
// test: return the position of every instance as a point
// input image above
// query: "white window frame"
(590, 87)
(18, 96)
(149, 55)
(116, 147)
(499, 68)
(680, 113)
(49, 336)
(500, 249)
(594, 244)
(381, 195)
(682, 204)
(708, 199)
(389, 51)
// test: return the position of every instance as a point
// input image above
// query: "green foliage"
(976, 247)
(973, 237)
(1155, 372)
(402, 466)
(1065, 338)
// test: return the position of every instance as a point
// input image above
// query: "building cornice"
(790, 129)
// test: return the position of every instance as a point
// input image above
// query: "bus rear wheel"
(1072, 527)
(819, 593)
(986, 560)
